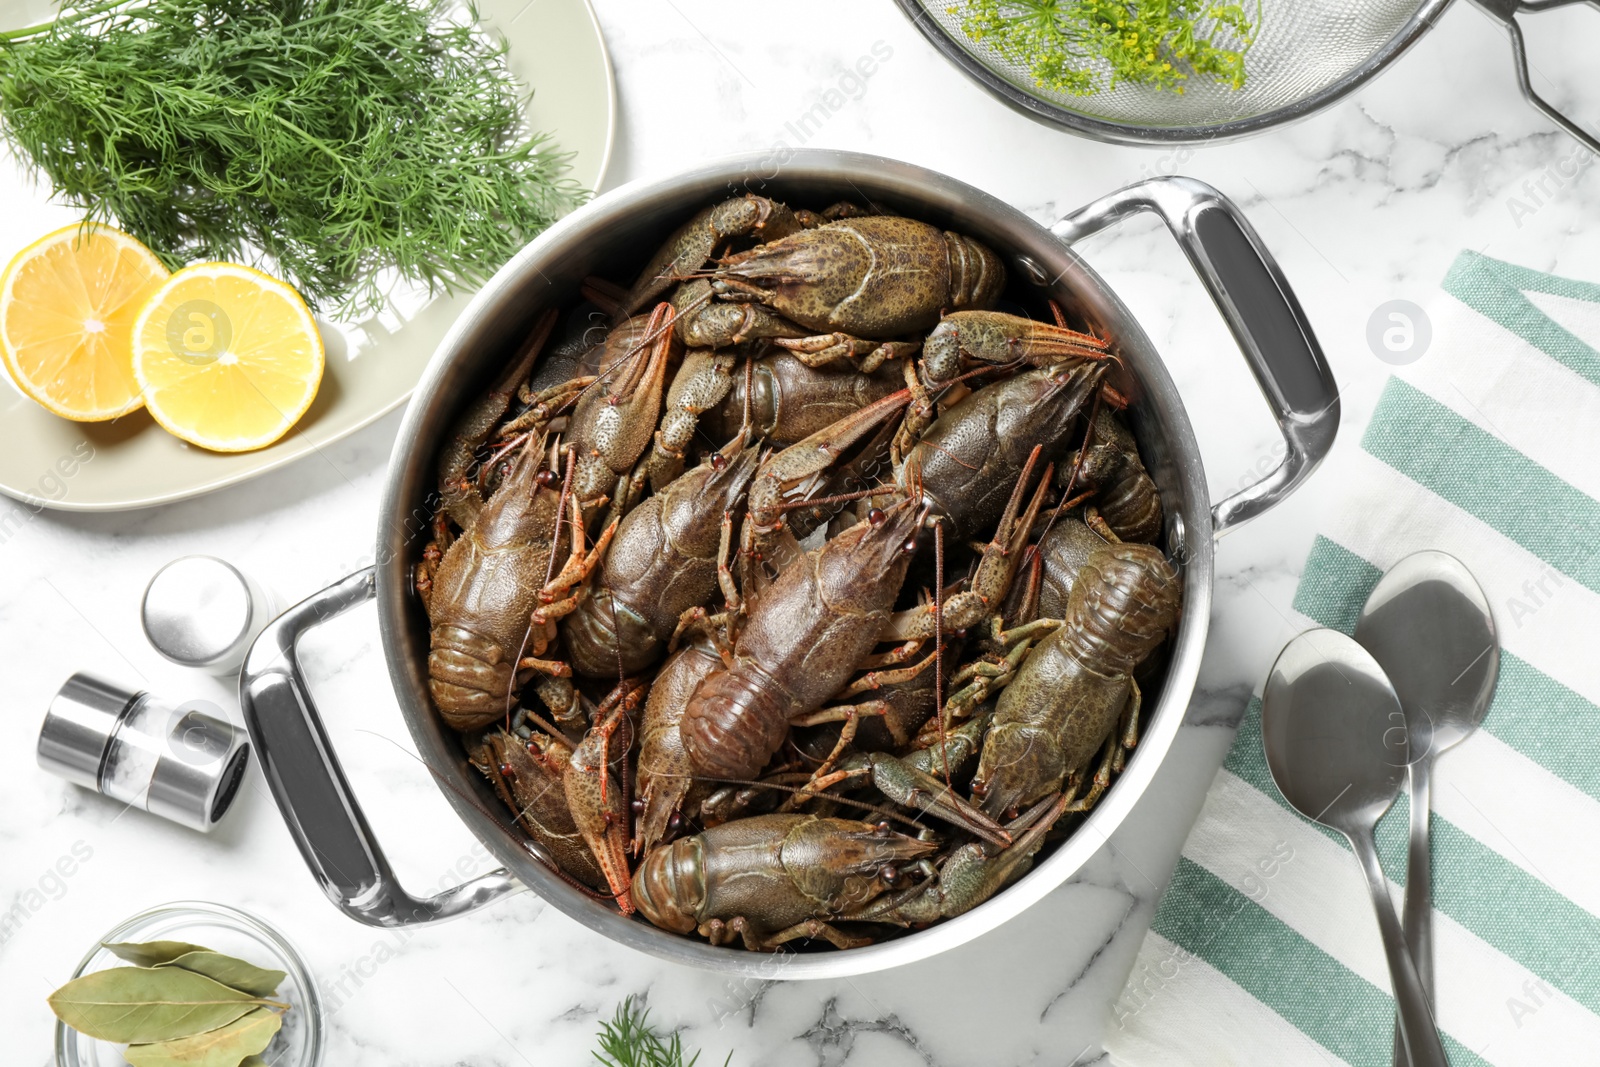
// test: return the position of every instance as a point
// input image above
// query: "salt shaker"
(200, 611)
(183, 762)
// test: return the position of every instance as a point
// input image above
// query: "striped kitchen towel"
(1264, 949)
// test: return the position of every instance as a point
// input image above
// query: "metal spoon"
(1337, 747)
(1428, 625)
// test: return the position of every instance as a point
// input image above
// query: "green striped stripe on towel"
(1264, 949)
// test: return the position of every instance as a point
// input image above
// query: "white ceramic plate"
(555, 49)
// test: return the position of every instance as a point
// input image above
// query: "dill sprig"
(337, 138)
(629, 1040)
(1154, 43)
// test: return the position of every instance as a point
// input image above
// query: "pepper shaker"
(181, 762)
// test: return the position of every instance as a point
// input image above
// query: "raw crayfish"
(921, 565)
(493, 602)
(1078, 683)
(662, 562)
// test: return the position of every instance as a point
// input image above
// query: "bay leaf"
(230, 971)
(152, 953)
(222, 1047)
(140, 1004)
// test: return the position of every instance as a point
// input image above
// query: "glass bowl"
(227, 930)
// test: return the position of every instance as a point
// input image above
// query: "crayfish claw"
(599, 803)
(917, 789)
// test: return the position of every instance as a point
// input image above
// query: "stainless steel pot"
(611, 236)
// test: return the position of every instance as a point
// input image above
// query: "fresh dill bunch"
(1155, 43)
(629, 1040)
(334, 138)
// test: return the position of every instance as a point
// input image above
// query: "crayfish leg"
(697, 623)
(1093, 519)
(899, 654)
(432, 555)
(997, 567)
(553, 668)
(1004, 638)
(849, 714)
(723, 931)
(877, 679)
(1102, 775)
(820, 350)
(813, 929)
(543, 407)
(562, 593)
(1130, 726)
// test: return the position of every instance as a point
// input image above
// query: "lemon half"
(67, 308)
(228, 358)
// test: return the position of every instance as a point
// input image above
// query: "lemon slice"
(228, 358)
(67, 308)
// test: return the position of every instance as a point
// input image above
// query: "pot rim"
(1190, 538)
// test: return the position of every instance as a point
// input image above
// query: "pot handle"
(1260, 309)
(310, 787)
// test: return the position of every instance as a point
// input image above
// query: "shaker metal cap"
(200, 769)
(199, 611)
(79, 725)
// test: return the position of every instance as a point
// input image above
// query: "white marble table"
(1363, 204)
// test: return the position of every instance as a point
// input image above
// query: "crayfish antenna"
(1083, 450)
(876, 809)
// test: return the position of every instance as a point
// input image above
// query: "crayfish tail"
(733, 726)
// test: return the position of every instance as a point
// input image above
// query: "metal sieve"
(1308, 54)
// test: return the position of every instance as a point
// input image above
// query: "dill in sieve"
(1080, 47)
(336, 137)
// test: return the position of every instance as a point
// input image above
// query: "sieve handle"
(1505, 12)
(309, 785)
(1260, 309)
